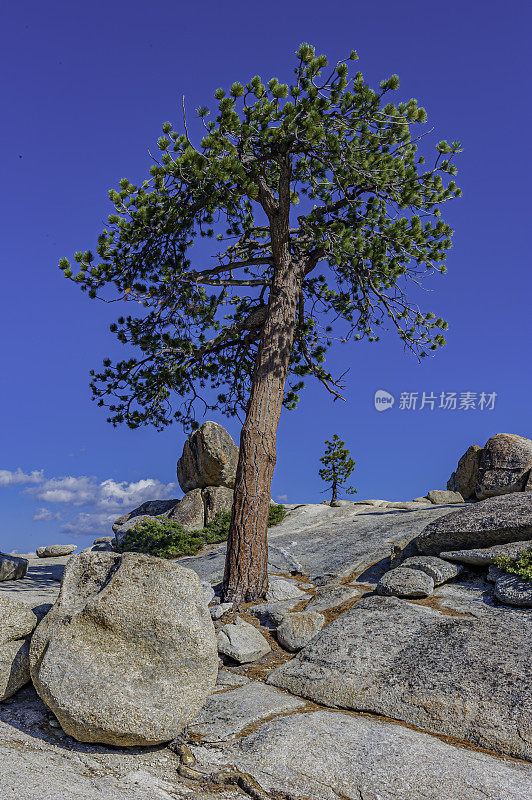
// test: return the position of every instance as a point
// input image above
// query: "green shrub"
(164, 538)
(521, 565)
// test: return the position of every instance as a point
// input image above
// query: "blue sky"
(86, 89)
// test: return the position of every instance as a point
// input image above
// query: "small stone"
(220, 609)
(55, 550)
(103, 540)
(272, 614)
(439, 570)
(331, 596)
(12, 568)
(298, 628)
(242, 642)
(405, 582)
(424, 499)
(280, 589)
(513, 590)
(494, 573)
(442, 497)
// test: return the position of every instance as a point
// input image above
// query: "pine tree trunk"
(334, 497)
(246, 566)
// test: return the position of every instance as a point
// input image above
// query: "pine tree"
(257, 320)
(337, 467)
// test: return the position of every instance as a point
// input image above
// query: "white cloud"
(282, 498)
(86, 522)
(108, 495)
(46, 515)
(103, 501)
(10, 478)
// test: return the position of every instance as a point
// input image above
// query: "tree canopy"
(337, 467)
(340, 161)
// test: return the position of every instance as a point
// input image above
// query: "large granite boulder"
(497, 520)
(209, 458)
(216, 500)
(464, 478)
(457, 675)
(504, 466)
(188, 512)
(127, 655)
(17, 622)
(12, 567)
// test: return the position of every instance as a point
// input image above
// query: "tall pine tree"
(258, 319)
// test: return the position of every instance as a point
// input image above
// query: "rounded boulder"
(127, 655)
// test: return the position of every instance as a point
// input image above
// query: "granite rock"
(439, 570)
(513, 590)
(505, 465)
(127, 655)
(498, 520)
(12, 568)
(55, 550)
(324, 755)
(209, 458)
(481, 556)
(242, 642)
(464, 478)
(452, 674)
(440, 497)
(405, 582)
(298, 628)
(17, 622)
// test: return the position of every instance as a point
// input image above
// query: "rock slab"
(439, 570)
(481, 556)
(226, 714)
(324, 755)
(127, 655)
(457, 675)
(17, 622)
(55, 550)
(498, 520)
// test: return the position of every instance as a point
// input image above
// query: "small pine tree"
(337, 467)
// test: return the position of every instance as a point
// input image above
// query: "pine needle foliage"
(365, 225)
(337, 467)
(521, 565)
(165, 538)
